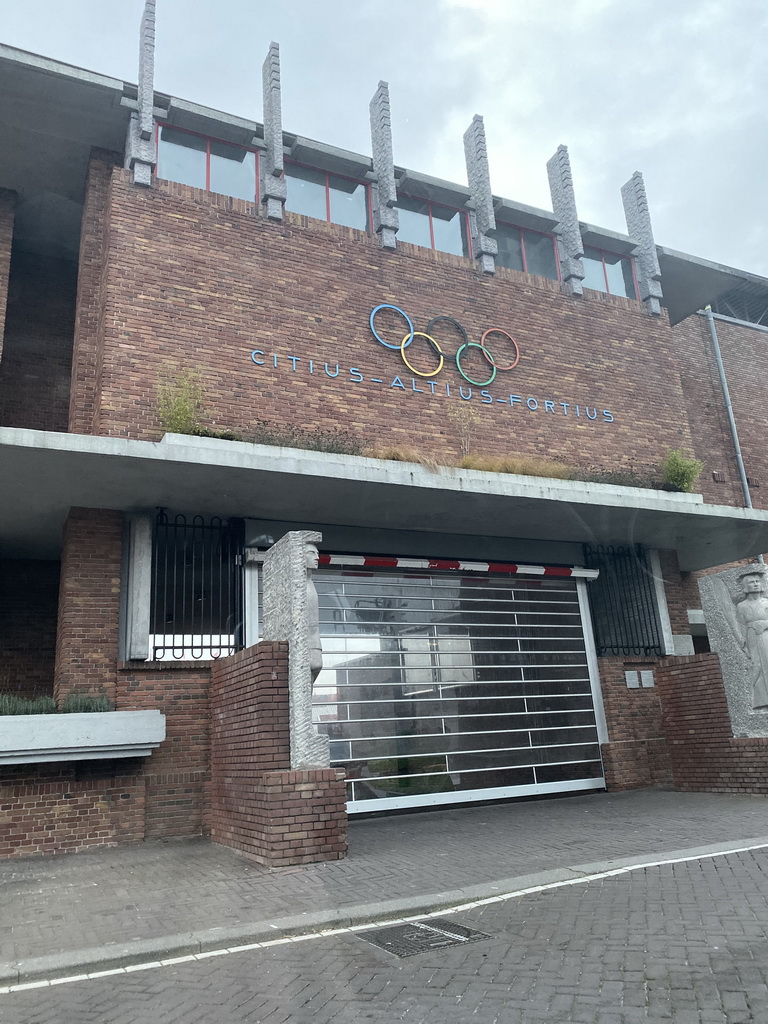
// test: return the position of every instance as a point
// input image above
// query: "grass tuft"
(405, 454)
(519, 465)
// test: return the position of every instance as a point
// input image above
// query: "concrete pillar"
(385, 217)
(290, 613)
(639, 227)
(7, 210)
(273, 186)
(569, 243)
(140, 143)
(138, 586)
(484, 244)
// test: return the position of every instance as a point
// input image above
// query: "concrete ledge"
(54, 471)
(33, 739)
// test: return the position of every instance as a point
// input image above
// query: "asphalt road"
(685, 943)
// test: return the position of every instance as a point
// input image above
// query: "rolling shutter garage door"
(440, 687)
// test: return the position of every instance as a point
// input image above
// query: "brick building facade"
(486, 634)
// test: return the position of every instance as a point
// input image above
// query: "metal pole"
(729, 410)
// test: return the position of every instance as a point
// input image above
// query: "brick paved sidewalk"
(190, 894)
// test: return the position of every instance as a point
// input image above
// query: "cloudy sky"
(674, 88)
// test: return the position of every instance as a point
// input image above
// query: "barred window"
(197, 588)
(622, 600)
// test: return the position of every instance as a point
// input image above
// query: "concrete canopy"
(47, 473)
(689, 283)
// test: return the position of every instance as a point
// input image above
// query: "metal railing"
(622, 600)
(197, 588)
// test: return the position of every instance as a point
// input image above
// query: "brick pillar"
(90, 295)
(89, 603)
(7, 208)
(636, 754)
(259, 806)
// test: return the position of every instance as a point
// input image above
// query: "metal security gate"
(446, 687)
(197, 588)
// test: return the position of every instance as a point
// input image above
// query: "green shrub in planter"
(680, 471)
(85, 703)
(11, 704)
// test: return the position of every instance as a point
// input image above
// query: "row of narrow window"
(232, 170)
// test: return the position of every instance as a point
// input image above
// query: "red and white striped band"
(508, 568)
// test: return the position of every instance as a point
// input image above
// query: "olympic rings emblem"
(437, 350)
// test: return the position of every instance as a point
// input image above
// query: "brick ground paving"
(110, 899)
(51, 905)
(684, 943)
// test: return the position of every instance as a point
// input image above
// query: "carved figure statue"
(313, 615)
(752, 617)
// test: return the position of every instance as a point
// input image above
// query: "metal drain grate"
(420, 937)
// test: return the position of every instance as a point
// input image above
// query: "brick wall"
(92, 272)
(37, 353)
(29, 593)
(7, 209)
(745, 358)
(305, 290)
(259, 806)
(703, 752)
(61, 808)
(635, 755)
(177, 775)
(89, 603)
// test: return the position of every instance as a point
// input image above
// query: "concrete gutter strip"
(87, 961)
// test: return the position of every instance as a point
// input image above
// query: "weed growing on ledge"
(181, 402)
(517, 464)
(680, 472)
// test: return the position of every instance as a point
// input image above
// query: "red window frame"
(347, 177)
(621, 256)
(429, 203)
(208, 140)
(542, 234)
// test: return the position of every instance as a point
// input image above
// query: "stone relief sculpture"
(752, 615)
(735, 604)
(290, 612)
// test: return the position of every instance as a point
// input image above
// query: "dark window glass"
(540, 254)
(594, 277)
(510, 247)
(181, 157)
(233, 171)
(306, 192)
(449, 228)
(414, 221)
(349, 202)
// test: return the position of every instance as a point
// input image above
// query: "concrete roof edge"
(698, 261)
(192, 110)
(54, 67)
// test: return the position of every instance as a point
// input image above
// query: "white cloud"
(675, 89)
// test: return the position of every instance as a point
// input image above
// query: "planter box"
(29, 739)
